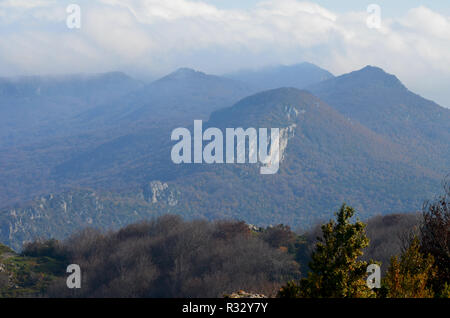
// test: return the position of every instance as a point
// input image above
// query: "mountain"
(379, 101)
(71, 116)
(183, 95)
(36, 106)
(361, 150)
(297, 76)
(91, 87)
(36, 130)
(327, 159)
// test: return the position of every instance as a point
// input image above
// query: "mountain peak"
(372, 76)
(185, 72)
(278, 107)
(371, 68)
(376, 72)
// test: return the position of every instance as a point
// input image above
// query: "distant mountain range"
(36, 108)
(181, 96)
(297, 76)
(362, 138)
(90, 87)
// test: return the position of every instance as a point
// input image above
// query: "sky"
(155, 37)
(391, 8)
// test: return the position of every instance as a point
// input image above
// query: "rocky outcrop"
(244, 294)
(60, 215)
(160, 192)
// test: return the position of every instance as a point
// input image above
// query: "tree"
(435, 237)
(336, 271)
(409, 277)
(280, 236)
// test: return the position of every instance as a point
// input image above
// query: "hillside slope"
(379, 101)
(328, 159)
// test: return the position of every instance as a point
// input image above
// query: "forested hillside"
(365, 139)
(170, 257)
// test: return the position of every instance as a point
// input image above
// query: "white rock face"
(291, 112)
(172, 199)
(278, 148)
(160, 192)
(157, 188)
(285, 134)
(64, 206)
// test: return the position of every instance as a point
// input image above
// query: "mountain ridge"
(325, 155)
(329, 156)
(387, 107)
(297, 76)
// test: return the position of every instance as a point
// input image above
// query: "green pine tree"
(336, 271)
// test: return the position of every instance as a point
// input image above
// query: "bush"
(50, 248)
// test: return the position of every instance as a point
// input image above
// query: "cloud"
(157, 36)
(25, 4)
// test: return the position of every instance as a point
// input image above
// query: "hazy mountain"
(91, 87)
(69, 121)
(36, 130)
(327, 160)
(297, 76)
(382, 103)
(181, 96)
(363, 150)
(34, 107)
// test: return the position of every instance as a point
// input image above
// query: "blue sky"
(154, 37)
(391, 8)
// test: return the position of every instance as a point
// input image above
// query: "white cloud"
(158, 36)
(25, 4)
